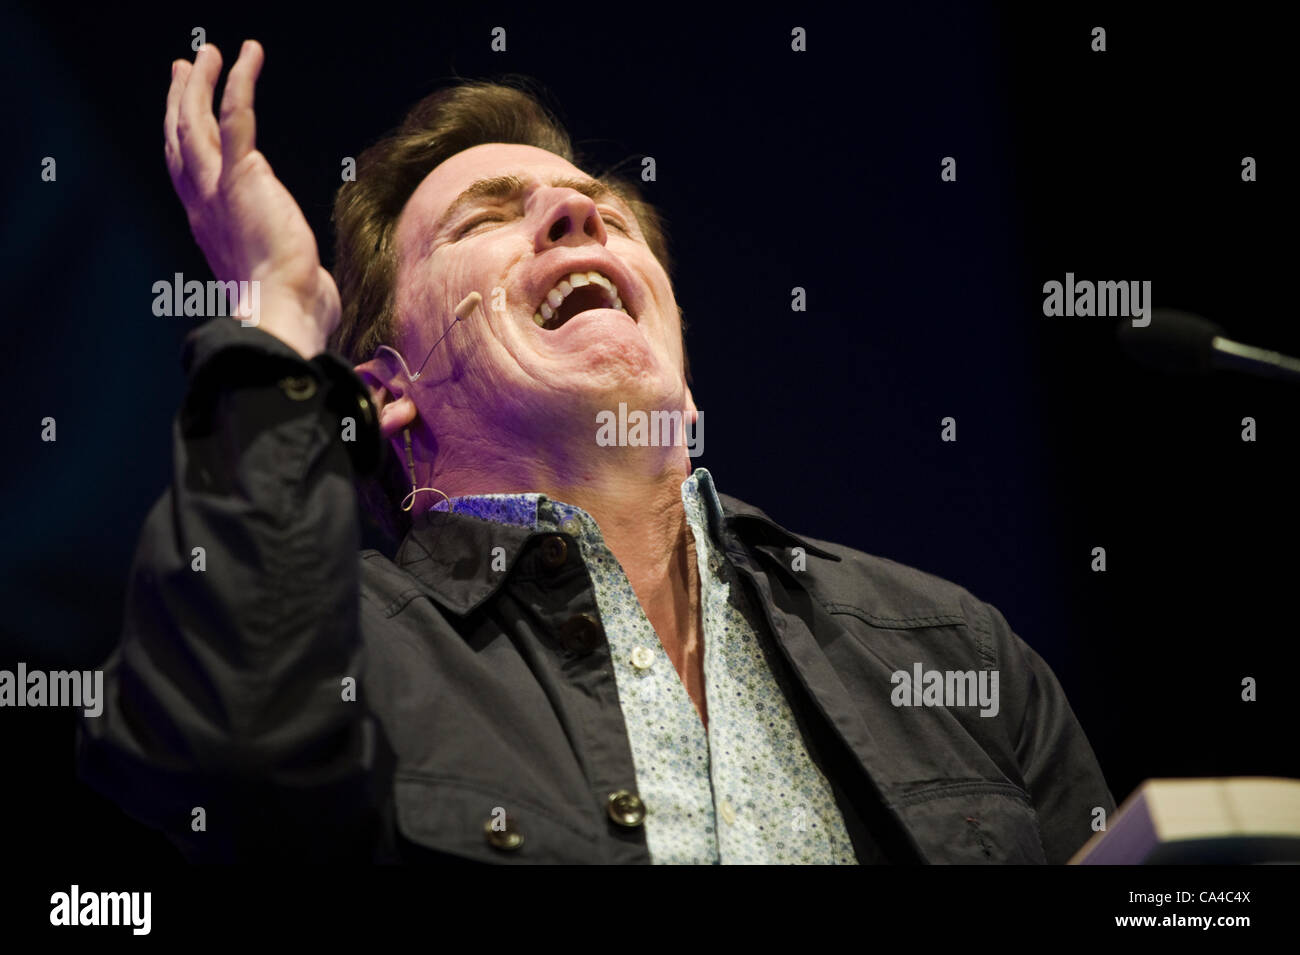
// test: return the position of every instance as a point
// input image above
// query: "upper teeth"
(556, 296)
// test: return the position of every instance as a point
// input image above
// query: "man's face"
(513, 223)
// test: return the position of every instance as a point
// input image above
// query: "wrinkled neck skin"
(633, 493)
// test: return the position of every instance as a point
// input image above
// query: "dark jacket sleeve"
(227, 692)
(1056, 760)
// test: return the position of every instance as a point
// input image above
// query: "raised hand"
(245, 221)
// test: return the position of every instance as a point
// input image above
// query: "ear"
(390, 392)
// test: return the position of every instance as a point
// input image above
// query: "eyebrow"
(498, 188)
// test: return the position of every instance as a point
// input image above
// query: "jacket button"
(503, 834)
(626, 809)
(581, 633)
(554, 552)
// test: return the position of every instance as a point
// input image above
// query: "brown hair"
(387, 174)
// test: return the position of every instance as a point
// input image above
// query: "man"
(580, 653)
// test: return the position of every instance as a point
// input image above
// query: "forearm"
(241, 622)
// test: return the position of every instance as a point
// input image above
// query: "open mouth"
(574, 294)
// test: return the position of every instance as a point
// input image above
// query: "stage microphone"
(1181, 342)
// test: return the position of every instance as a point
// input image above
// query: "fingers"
(196, 128)
(171, 146)
(238, 121)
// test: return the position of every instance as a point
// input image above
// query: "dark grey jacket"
(484, 695)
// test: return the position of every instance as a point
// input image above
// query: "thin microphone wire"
(466, 308)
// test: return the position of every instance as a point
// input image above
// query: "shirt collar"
(538, 512)
(452, 554)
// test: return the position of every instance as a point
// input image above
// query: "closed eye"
(476, 222)
(615, 221)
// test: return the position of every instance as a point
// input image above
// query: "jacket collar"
(454, 556)
(753, 527)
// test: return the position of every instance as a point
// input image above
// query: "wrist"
(293, 323)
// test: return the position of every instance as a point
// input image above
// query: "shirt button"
(572, 526)
(728, 814)
(554, 552)
(581, 633)
(626, 809)
(502, 833)
(642, 658)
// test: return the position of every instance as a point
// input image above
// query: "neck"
(633, 494)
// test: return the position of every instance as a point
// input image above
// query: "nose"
(571, 220)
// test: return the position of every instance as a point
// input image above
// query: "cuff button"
(298, 387)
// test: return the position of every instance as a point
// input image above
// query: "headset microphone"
(463, 311)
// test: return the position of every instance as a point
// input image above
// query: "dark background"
(775, 169)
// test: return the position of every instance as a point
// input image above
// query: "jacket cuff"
(267, 359)
(218, 334)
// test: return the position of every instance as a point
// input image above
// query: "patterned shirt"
(745, 790)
